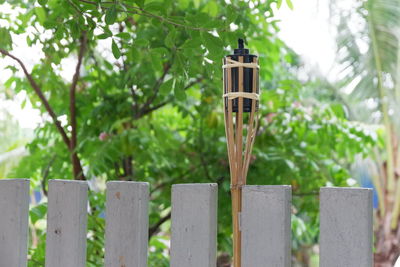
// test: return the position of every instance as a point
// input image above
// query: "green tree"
(144, 104)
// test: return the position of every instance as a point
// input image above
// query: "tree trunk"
(77, 167)
(386, 244)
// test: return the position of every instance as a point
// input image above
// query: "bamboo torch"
(241, 97)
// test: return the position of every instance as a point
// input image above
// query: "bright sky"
(305, 29)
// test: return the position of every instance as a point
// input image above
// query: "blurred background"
(131, 90)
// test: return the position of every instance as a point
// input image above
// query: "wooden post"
(127, 224)
(66, 223)
(14, 213)
(266, 226)
(194, 225)
(346, 227)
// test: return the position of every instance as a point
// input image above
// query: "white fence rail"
(345, 225)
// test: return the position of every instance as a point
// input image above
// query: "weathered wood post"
(127, 224)
(346, 227)
(14, 212)
(194, 225)
(66, 223)
(266, 225)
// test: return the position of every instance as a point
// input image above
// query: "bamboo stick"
(231, 142)
(226, 118)
(239, 178)
(239, 160)
(252, 127)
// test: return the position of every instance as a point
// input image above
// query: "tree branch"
(169, 100)
(302, 194)
(155, 89)
(75, 7)
(128, 168)
(154, 229)
(135, 105)
(141, 12)
(76, 165)
(168, 183)
(46, 174)
(41, 96)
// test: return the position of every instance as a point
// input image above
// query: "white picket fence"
(345, 225)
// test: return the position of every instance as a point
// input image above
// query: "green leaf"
(156, 60)
(170, 39)
(82, 23)
(231, 14)
(157, 243)
(5, 39)
(198, 19)
(9, 82)
(38, 212)
(338, 110)
(290, 4)
(279, 4)
(154, 6)
(212, 43)
(115, 50)
(211, 8)
(74, 27)
(23, 103)
(134, 54)
(184, 3)
(103, 36)
(192, 43)
(42, 2)
(91, 22)
(162, 51)
(141, 42)
(41, 14)
(51, 24)
(124, 35)
(111, 15)
(59, 34)
(166, 87)
(179, 91)
(140, 3)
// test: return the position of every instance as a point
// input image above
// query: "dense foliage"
(145, 104)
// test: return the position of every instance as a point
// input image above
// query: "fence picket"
(345, 227)
(66, 223)
(265, 226)
(194, 225)
(14, 210)
(126, 224)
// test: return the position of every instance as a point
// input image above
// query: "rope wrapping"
(235, 64)
(234, 95)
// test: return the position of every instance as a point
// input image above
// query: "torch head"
(249, 77)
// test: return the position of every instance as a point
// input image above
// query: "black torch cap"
(241, 51)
